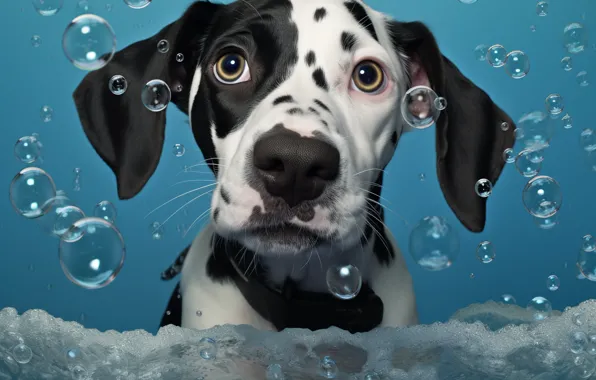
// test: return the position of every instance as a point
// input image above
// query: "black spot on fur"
(295, 111)
(215, 215)
(361, 17)
(348, 41)
(320, 14)
(322, 105)
(314, 111)
(225, 196)
(310, 58)
(324, 123)
(319, 77)
(283, 99)
(394, 138)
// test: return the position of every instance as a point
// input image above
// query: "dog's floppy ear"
(469, 139)
(125, 134)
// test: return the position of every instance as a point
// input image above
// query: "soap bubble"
(575, 37)
(433, 243)
(328, 368)
(440, 103)
(547, 223)
(179, 57)
(137, 4)
(587, 140)
(54, 205)
(36, 41)
(496, 55)
(67, 216)
(508, 155)
(582, 78)
(578, 342)
(83, 7)
(542, 196)
(483, 187)
(105, 210)
(118, 85)
(22, 354)
(485, 252)
(540, 307)
(179, 150)
(47, 7)
(95, 255)
(163, 46)
(588, 243)
(517, 64)
(586, 263)
(567, 63)
(567, 121)
(480, 52)
(30, 191)
(156, 95)
(89, 42)
(542, 8)
(527, 164)
(157, 230)
(584, 367)
(418, 107)
(274, 372)
(344, 281)
(504, 126)
(554, 104)
(553, 282)
(508, 299)
(27, 149)
(46, 113)
(207, 348)
(535, 130)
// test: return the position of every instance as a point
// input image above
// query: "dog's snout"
(293, 167)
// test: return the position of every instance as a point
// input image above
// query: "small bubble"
(472, 276)
(83, 7)
(496, 55)
(542, 196)
(480, 52)
(22, 354)
(36, 41)
(547, 223)
(542, 8)
(199, 313)
(508, 156)
(578, 342)
(328, 368)
(575, 38)
(517, 64)
(46, 113)
(540, 307)
(417, 107)
(163, 46)
(567, 121)
(483, 187)
(137, 4)
(533, 28)
(422, 177)
(567, 63)
(179, 150)
(30, 192)
(577, 319)
(485, 252)
(47, 7)
(78, 372)
(344, 281)
(508, 299)
(553, 282)
(109, 7)
(582, 78)
(118, 85)
(73, 353)
(27, 149)
(554, 104)
(587, 140)
(440, 103)
(504, 126)
(105, 210)
(156, 95)
(527, 164)
(207, 348)
(67, 216)
(157, 230)
(179, 57)
(588, 243)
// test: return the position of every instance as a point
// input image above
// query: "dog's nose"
(295, 168)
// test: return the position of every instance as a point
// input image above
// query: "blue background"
(30, 273)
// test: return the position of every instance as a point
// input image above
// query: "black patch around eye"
(394, 138)
(310, 58)
(283, 99)
(322, 105)
(225, 196)
(312, 110)
(320, 14)
(319, 77)
(348, 40)
(295, 111)
(361, 17)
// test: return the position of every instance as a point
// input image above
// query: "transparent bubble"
(73, 353)
(542, 8)
(508, 156)
(83, 7)
(547, 223)
(588, 243)
(533, 28)
(587, 140)
(109, 7)
(567, 121)
(89, 42)
(591, 349)
(157, 230)
(582, 78)
(179, 150)
(480, 52)
(422, 177)
(156, 95)
(542, 196)
(496, 55)
(586, 263)
(527, 164)
(434, 243)
(68, 216)
(535, 130)
(485, 252)
(554, 104)
(483, 187)
(440, 103)
(30, 191)
(567, 63)
(36, 41)
(517, 64)
(540, 307)
(27, 150)
(137, 4)
(105, 210)
(553, 282)
(95, 255)
(118, 85)
(575, 38)
(274, 372)
(344, 281)
(328, 368)
(79, 372)
(417, 107)
(47, 7)
(508, 299)
(578, 342)
(54, 206)
(22, 354)
(179, 57)
(163, 46)
(46, 113)
(207, 348)
(583, 368)
(504, 126)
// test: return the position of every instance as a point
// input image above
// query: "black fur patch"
(295, 111)
(215, 215)
(324, 123)
(310, 58)
(348, 41)
(394, 138)
(312, 110)
(322, 105)
(283, 99)
(225, 195)
(361, 17)
(319, 77)
(320, 14)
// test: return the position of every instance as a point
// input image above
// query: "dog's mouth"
(285, 234)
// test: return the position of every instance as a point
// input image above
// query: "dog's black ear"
(469, 139)
(125, 134)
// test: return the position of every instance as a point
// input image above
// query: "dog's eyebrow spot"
(312, 110)
(394, 138)
(348, 41)
(295, 111)
(225, 196)
(310, 58)
(319, 77)
(322, 105)
(320, 14)
(361, 17)
(324, 123)
(283, 99)
(215, 215)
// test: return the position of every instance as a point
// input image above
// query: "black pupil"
(367, 75)
(231, 64)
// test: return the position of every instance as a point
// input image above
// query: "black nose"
(295, 168)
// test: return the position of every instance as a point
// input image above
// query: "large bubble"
(418, 107)
(30, 191)
(89, 42)
(542, 196)
(434, 243)
(534, 130)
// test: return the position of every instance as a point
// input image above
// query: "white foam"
(458, 349)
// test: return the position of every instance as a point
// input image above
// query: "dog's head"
(295, 104)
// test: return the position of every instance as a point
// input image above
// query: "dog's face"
(296, 107)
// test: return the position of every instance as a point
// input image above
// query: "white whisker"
(181, 195)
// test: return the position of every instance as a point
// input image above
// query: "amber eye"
(368, 77)
(229, 68)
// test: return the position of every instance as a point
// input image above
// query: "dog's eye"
(231, 68)
(368, 77)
